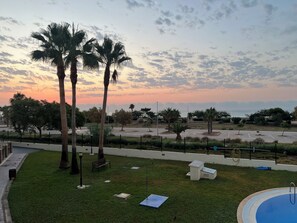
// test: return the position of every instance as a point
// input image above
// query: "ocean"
(235, 109)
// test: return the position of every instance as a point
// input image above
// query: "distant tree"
(294, 114)
(147, 123)
(26, 113)
(145, 110)
(236, 120)
(93, 115)
(80, 118)
(37, 116)
(198, 115)
(285, 125)
(178, 128)
(274, 116)
(19, 113)
(132, 106)
(136, 114)
(52, 115)
(170, 115)
(240, 125)
(210, 115)
(5, 114)
(122, 117)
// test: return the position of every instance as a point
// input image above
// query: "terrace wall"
(166, 155)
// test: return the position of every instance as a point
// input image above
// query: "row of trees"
(63, 47)
(28, 114)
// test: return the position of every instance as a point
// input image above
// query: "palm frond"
(123, 59)
(38, 36)
(38, 55)
(114, 76)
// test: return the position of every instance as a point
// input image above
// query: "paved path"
(14, 161)
(268, 136)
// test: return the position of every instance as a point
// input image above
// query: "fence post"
(8, 135)
(120, 141)
(82, 139)
(250, 153)
(275, 152)
(49, 138)
(224, 151)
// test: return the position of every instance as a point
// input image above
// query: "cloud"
(10, 20)
(4, 54)
(134, 4)
(28, 82)
(186, 9)
(290, 30)
(269, 9)
(14, 71)
(164, 21)
(4, 80)
(249, 3)
(85, 82)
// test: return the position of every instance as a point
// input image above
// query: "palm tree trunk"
(74, 164)
(101, 158)
(64, 129)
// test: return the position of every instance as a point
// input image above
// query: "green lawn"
(43, 193)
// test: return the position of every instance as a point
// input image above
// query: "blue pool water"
(278, 209)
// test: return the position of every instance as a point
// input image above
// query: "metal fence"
(280, 153)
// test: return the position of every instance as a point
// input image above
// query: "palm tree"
(108, 54)
(54, 43)
(170, 115)
(210, 115)
(76, 50)
(132, 106)
(178, 128)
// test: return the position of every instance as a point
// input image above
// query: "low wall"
(5, 151)
(166, 155)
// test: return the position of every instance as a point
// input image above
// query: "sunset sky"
(186, 51)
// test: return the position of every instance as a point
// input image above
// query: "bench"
(97, 166)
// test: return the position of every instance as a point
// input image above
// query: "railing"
(285, 154)
(292, 185)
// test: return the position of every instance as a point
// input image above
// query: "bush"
(94, 130)
(258, 141)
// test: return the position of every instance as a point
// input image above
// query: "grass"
(43, 193)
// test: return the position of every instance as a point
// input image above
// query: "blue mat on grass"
(154, 201)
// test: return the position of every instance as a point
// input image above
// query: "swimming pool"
(278, 209)
(268, 206)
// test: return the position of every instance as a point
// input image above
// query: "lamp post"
(80, 186)
(91, 145)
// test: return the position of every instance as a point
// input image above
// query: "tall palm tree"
(210, 115)
(78, 48)
(54, 43)
(108, 54)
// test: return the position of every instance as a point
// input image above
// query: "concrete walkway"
(14, 161)
(244, 135)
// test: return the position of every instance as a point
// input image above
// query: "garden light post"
(80, 186)
(91, 145)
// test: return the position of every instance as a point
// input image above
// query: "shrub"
(258, 141)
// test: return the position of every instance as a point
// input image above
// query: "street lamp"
(80, 186)
(91, 145)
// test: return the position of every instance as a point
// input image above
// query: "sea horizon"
(235, 109)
